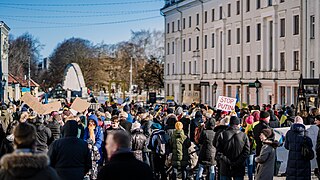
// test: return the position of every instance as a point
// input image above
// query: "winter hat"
(298, 120)
(24, 109)
(249, 119)
(179, 126)
(108, 115)
(224, 112)
(135, 125)
(234, 120)
(101, 110)
(267, 132)
(123, 115)
(24, 136)
(264, 115)
(178, 111)
(169, 110)
(126, 108)
(256, 116)
(156, 126)
(290, 112)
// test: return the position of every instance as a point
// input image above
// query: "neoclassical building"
(230, 44)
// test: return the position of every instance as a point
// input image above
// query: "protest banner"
(33, 103)
(80, 105)
(226, 103)
(187, 97)
(53, 106)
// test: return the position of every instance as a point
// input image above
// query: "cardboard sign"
(226, 103)
(33, 103)
(53, 106)
(80, 105)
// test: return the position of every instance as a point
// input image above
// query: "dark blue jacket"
(297, 167)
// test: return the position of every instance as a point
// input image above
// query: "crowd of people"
(160, 141)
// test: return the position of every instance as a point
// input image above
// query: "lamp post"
(215, 86)
(257, 84)
(3, 84)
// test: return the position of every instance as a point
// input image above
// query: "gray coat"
(265, 162)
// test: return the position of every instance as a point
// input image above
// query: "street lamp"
(257, 84)
(215, 86)
(3, 84)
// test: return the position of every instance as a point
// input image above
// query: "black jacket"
(6, 146)
(256, 133)
(233, 147)
(207, 150)
(218, 130)
(297, 167)
(126, 125)
(26, 166)
(70, 156)
(138, 140)
(54, 126)
(43, 137)
(124, 166)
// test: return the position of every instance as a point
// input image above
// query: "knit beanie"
(234, 120)
(249, 119)
(264, 115)
(24, 136)
(179, 126)
(298, 120)
(267, 132)
(135, 125)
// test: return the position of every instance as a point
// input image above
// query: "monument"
(4, 53)
(73, 81)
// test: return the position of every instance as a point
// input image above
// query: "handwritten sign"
(226, 103)
(80, 105)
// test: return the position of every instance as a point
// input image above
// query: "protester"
(43, 134)
(179, 143)
(232, 151)
(7, 143)
(207, 151)
(124, 123)
(24, 162)
(138, 140)
(70, 156)
(122, 163)
(54, 126)
(297, 166)
(317, 122)
(267, 157)
(263, 124)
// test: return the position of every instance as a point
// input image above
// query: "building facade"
(231, 43)
(4, 53)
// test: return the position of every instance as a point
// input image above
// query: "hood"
(70, 129)
(198, 115)
(220, 128)
(210, 124)
(24, 165)
(178, 133)
(298, 127)
(94, 118)
(272, 143)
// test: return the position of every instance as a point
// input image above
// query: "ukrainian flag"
(238, 100)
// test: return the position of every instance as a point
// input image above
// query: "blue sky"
(108, 21)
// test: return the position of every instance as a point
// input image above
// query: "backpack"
(160, 140)
(306, 151)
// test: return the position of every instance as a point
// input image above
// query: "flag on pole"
(237, 99)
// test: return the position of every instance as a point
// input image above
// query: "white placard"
(226, 103)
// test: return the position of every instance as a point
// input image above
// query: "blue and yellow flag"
(238, 100)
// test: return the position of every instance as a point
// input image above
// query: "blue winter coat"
(297, 167)
(97, 133)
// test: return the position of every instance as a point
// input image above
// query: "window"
(282, 27)
(184, 23)
(189, 44)
(269, 2)
(189, 67)
(282, 95)
(238, 64)
(220, 12)
(248, 5)
(312, 26)
(172, 68)
(205, 66)
(168, 69)
(184, 45)
(172, 47)
(212, 15)
(281, 1)
(238, 7)
(195, 67)
(296, 61)
(168, 48)
(197, 43)
(184, 68)
(229, 10)
(296, 25)
(258, 4)
(205, 17)
(205, 41)
(311, 69)
(248, 63)
(172, 26)
(229, 64)
(168, 89)
(168, 28)
(189, 21)
(212, 66)
(238, 35)
(197, 20)
(212, 40)
(248, 33)
(258, 32)
(282, 62)
(178, 25)
(229, 36)
(258, 63)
